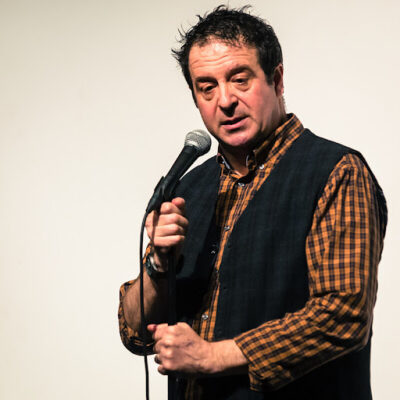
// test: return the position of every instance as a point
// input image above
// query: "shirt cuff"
(273, 375)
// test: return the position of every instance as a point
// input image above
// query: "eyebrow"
(239, 69)
(233, 71)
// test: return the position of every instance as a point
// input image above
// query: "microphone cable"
(197, 143)
(142, 316)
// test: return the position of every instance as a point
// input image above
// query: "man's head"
(234, 26)
(232, 62)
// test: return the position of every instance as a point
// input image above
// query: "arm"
(343, 249)
(166, 230)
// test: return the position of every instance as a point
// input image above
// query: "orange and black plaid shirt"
(343, 249)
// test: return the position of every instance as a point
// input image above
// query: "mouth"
(233, 123)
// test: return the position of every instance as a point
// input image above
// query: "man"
(277, 239)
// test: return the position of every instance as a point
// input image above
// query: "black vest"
(263, 274)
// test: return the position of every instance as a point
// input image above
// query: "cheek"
(207, 114)
(262, 104)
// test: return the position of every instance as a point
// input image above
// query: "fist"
(179, 348)
(167, 229)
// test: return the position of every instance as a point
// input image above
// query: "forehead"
(216, 55)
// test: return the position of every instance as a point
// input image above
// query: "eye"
(206, 88)
(242, 80)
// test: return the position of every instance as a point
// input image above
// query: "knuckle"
(165, 207)
(168, 365)
(173, 218)
(168, 354)
(180, 239)
(172, 329)
(168, 342)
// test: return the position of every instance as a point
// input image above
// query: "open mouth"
(233, 123)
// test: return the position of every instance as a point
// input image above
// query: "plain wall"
(93, 110)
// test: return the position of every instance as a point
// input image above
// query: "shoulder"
(322, 147)
(353, 184)
(351, 165)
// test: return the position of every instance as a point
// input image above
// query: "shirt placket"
(228, 210)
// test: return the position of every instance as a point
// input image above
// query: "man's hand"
(180, 349)
(167, 229)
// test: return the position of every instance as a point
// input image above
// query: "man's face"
(236, 103)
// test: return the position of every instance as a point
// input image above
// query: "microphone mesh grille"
(199, 139)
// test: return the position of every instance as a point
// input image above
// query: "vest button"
(204, 317)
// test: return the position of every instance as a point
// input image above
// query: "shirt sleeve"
(130, 338)
(343, 249)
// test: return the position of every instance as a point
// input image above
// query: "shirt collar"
(260, 153)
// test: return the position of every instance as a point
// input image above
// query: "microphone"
(197, 143)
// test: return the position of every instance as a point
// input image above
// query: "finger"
(172, 219)
(167, 235)
(156, 349)
(162, 370)
(169, 230)
(180, 203)
(151, 222)
(159, 331)
(170, 207)
(164, 243)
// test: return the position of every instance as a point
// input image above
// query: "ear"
(278, 80)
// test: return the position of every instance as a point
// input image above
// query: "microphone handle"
(164, 190)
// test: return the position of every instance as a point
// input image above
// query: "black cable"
(142, 316)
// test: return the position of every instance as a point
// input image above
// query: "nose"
(227, 100)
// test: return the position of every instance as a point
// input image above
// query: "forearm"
(285, 349)
(227, 359)
(155, 301)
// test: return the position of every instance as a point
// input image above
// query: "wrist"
(160, 260)
(154, 271)
(226, 358)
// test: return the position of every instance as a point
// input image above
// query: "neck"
(237, 157)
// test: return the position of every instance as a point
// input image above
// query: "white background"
(93, 110)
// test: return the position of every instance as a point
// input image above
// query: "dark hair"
(236, 27)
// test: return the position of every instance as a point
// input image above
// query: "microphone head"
(200, 140)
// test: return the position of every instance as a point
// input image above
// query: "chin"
(237, 145)
(240, 140)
